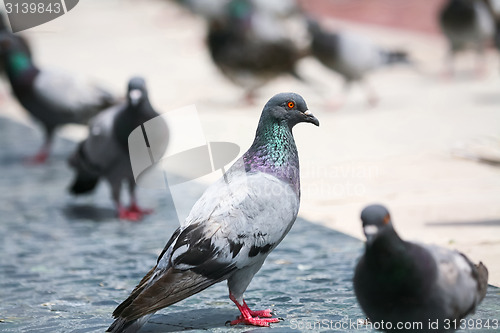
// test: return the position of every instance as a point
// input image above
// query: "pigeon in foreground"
(245, 53)
(467, 24)
(232, 228)
(352, 56)
(398, 281)
(54, 98)
(105, 154)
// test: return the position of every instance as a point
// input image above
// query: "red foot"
(129, 215)
(136, 209)
(38, 159)
(264, 322)
(249, 317)
(262, 313)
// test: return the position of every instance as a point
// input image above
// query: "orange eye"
(291, 105)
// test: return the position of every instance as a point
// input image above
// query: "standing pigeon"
(467, 24)
(246, 56)
(398, 281)
(105, 152)
(232, 228)
(54, 98)
(351, 56)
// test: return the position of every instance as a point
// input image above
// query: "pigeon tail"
(83, 183)
(86, 179)
(122, 325)
(396, 57)
(482, 279)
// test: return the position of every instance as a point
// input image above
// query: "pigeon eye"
(291, 105)
(387, 218)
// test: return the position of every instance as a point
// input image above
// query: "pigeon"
(54, 98)
(247, 54)
(350, 55)
(234, 225)
(467, 24)
(105, 154)
(205, 8)
(494, 7)
(398, 281)
(22, 41)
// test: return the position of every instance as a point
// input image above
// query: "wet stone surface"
(66, 263)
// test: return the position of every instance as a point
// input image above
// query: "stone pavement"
(66, 263)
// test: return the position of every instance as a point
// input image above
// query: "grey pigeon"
(398, 281)
(105, 154)
(54, 98)
(232, 228)
(350, 55)
(248, 50)
(467, 24)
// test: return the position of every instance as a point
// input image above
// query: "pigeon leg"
(250, 96)
(372, 96)
(249, 317)
(480, 68)
(449, 68)
(134, 207)
(123, 212)
(41, 156)
(43, 153)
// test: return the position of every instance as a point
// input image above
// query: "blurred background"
(421, 136)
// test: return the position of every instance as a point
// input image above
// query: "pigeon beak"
(310, 118)
(370, 233)
(135, 96)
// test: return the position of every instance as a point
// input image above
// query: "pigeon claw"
(262, 313)
(38, 159)
(129, 215)
(142, 211)
(255, 321)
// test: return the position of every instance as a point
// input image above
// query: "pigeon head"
(289, 108)
(137, 91)
(376, 221)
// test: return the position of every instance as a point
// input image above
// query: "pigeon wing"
(227, 230)
(71, 96)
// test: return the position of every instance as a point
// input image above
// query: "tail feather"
(83, 183)
(155, 292)
(87, 175)
(122, 325)
(482, 279)
(397, 57)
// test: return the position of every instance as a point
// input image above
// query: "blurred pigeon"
(54, 98)
(467, 24)
(398, 281)
(22, 41)
(350, 55)
(105, 152)
(232, 228)
(205, 8)
(494, 7)
(248, 54)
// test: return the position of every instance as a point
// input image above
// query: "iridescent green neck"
(275, 142)
(274, 152)
(17, 63)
